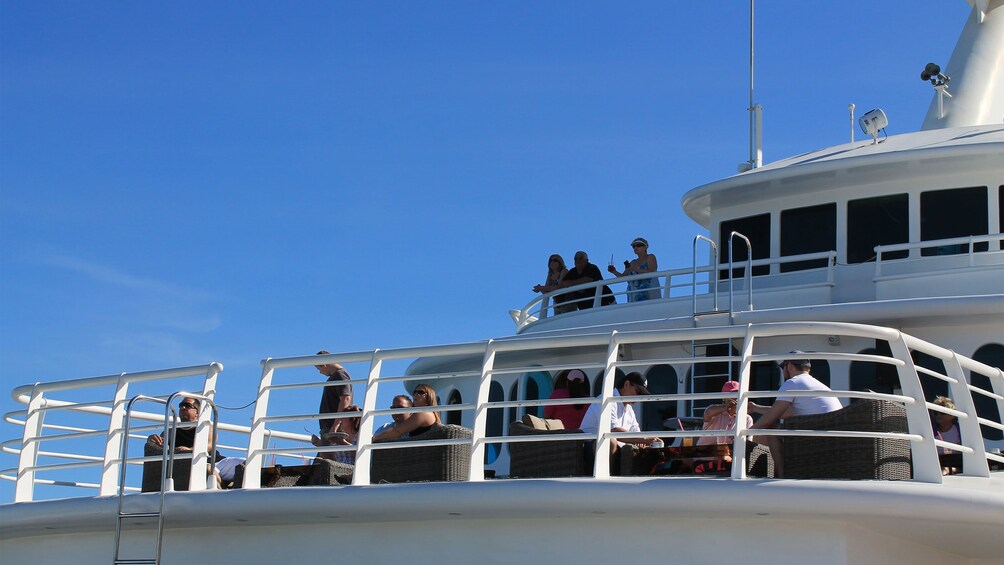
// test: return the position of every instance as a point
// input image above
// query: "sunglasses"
(637, 245)
(419, 393)
(188, 406)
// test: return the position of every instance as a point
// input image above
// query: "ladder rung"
(139, 515)
(135, 562)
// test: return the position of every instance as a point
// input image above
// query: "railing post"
(973, 464)
(25, 485)
(739, 440)
(364, 443)
(113, 442)
(601, 467)
(926, 466)
(256, 439)
(477, 472)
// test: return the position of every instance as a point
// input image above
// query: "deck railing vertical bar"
(974, 463)
(113, 442)
(477, 468)
(926, 467)
(364, 453)
(739, 454)
(25, 485)
(256, 439)
(601, 467)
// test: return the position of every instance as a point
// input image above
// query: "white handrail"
(758, 340)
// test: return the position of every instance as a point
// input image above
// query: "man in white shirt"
(623, 418)
(796, 378)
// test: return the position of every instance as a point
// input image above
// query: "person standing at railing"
(640, 289)
(796, 378)
(569, 384)
(585, 272)
(335, 398)
(556, 272)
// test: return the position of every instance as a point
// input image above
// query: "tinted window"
(959, 212)
(757, 229)
(808, 230)
(493, 426)
(991, 354)
(661, 380)
(454, 416)
(883, 220)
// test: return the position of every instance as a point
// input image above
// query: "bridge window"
(991, 354)
(883, 220)
(495, 423)
(454, 416)
(957, 212)
(876, 377)
(808, 230)
(661, 380)
(757, 229)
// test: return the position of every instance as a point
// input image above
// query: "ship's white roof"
(887, 158)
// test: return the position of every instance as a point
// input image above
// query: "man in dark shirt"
(585, 272)
(335, 398)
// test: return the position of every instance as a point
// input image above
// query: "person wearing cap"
(796, 378)
(640, 289)
(585, 272)
(722, 417)
(569, 384)
(623, 418)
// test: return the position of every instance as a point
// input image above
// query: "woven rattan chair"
(435, 463)
(181, 470)
(546, 459)
(849, 458)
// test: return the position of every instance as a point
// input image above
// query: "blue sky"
(182, 183)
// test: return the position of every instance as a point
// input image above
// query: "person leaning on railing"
(585, 272)
(796, 378)
(556, 272)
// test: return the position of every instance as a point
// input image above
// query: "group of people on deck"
(584, 272)
(345, 430)
(796, 377)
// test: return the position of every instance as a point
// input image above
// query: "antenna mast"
(756, 113)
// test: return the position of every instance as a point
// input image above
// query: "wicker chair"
(181, 470)
(546, 459)
(849, 458)
(435, 463)
(322, 472)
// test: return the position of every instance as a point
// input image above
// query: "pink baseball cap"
(576, 375)
(731, 386)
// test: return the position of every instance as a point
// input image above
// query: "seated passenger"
(796, 378)
(417, 423)
(400, 401)
(722, 417)
(946, 428)
(585, 272)
(188, 411)
(623, 418)
(556, 272)
(640, 289)
(569, 384)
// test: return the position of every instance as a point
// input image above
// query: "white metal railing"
(761, 343)
(681, 283)
(951, 247)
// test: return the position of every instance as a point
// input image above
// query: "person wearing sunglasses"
(640, 289)
(184, 436)
(417, 423)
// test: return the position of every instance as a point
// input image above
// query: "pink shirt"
(721, 421)
(570, 416)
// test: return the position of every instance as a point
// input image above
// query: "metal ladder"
(167, 470)
(713, 274)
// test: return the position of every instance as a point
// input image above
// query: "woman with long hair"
(416, 423)
(556, 271)
(569, 384)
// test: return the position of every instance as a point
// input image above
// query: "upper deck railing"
(275, 422)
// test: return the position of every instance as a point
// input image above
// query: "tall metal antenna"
(756, 112)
